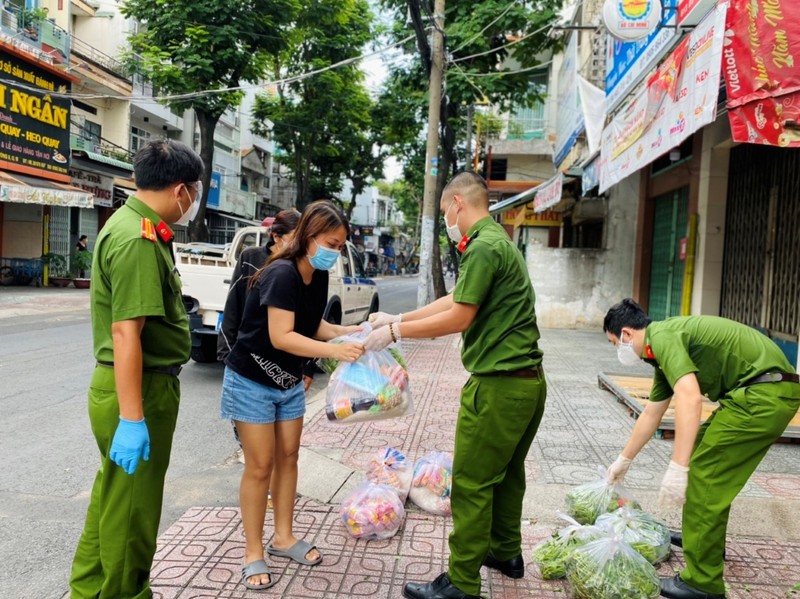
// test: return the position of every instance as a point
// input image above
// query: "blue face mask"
(324, 258)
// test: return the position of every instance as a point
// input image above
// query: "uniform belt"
(773, 377)
(170, 370)
(522, 373)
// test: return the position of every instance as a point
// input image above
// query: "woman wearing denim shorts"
(262, 391)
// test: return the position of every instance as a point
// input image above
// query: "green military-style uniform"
(133, 276)
(501, 404)
(725, 356)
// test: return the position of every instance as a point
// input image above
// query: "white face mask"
(452, 231)
(188, 216)
(626, 354)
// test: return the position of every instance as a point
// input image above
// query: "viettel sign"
(630, 20)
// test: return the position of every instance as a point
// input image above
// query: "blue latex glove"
(131, 442)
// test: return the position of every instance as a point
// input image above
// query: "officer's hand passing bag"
(373, 387)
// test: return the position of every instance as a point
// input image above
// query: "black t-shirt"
(280, 286)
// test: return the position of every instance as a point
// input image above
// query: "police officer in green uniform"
(758, 391)
(141, 339)
(503, 400)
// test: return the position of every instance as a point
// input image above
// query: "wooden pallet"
(634, 393)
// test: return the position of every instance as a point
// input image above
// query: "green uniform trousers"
(115, 551)
(496, 424)
(729, 447)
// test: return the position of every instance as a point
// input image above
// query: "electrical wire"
(477, 35)
(503, 73)
(508, 45)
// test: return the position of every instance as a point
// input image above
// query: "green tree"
(213, 46)
(322, 122)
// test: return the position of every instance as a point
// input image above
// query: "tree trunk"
(198, 230)
(349, 211)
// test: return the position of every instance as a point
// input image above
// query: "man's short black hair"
(627, 313)
(165, 162)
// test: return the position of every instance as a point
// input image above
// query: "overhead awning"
(21, 189)
(126, 183)
(100, 163)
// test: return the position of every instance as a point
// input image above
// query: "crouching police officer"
(698, 357)
(141, 339)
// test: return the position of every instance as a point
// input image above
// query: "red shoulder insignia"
(164, 232)
(462, 245)
(648, 353)
(148, 230)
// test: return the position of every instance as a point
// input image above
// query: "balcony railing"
(104, 147)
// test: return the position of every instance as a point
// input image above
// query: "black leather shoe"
(675, 588)
(513, 568)
(441, 588)
(676, 538)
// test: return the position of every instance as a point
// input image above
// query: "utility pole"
(425, 290)
(470, 109)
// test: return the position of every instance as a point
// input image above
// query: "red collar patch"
(648, 353)
(164, 232)
(462, 245)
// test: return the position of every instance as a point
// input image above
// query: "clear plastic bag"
(609, 568)
(588, 501)
(648, 537)
(373, 387)
(372, 511)
(390, 467)
(432, 482)
(552, 555)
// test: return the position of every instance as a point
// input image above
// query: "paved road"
(49, 455)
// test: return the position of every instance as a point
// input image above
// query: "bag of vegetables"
(552, 555)
(646, 535)
(587, 501)
(609, 568)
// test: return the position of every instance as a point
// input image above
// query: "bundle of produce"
(609, 568)
(553, 554)
(588, 501)
(430, 487)
(390, 467)
(648, 537)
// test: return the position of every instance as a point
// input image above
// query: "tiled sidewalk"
(200, 556)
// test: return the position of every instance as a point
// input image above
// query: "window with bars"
(529, 123)
(139, 137)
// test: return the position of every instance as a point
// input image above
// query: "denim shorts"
(247, 401)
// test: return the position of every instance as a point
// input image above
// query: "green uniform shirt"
(493, 275)
(722, 353)
(133, 276)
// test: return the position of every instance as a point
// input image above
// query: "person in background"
(699, 357)
(82, 247)
(262, 390)
(141, 339)
(502, 402)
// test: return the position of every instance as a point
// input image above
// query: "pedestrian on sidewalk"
(698, 357)
(262, 390)
(503, 400)
(81, 246)
(141, 339)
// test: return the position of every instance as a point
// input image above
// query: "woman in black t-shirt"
(262, 390)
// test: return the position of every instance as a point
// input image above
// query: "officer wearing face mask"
(503, 400)
(758, 391)
(141, 339)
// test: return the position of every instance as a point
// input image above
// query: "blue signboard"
(213, 190)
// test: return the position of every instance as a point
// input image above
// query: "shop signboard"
(679, 99)
(100, 186)
(34, 122)
(569, 118)
(213, 190)
(691, 12)
(760, 62)
(549, 194)
(524, 216)
(627, 63)
(630, 20)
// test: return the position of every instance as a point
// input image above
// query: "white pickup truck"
(206, 272)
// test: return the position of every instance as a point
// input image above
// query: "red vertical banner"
(761, 63)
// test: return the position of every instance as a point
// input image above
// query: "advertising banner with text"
(549, 194)
(569, 119)
(679, 99)
(761, 61)
(34, 125)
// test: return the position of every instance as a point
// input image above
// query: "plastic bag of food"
(609, 568)
(372, 511)
(552, 555)
(649, 537)
(587, 501)
(328, 365)
(390, 467)
(431, 485)
(373, 387)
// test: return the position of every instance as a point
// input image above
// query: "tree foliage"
(188, 46)
(323, 122)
